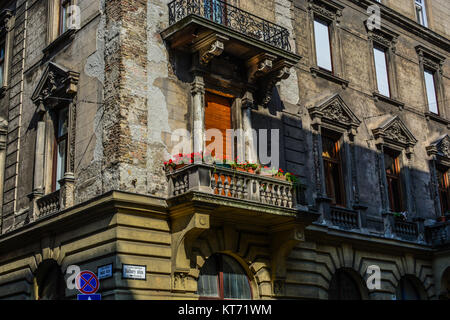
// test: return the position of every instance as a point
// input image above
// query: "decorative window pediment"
(394, 133)
(440, 148)
(383, 37)
(430, 59)
(329, 10)
(56, 82)
(334, 112)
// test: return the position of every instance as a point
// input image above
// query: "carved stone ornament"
(335, 112)
(444, 147)
(56, 82)
(327, 9)
(5, 17)
(209, 47)
(395, 131)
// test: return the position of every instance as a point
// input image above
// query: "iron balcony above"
(231, 17)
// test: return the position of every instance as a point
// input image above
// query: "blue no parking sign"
(88, 284)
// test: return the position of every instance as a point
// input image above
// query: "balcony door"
(218, 117)
(215, 10)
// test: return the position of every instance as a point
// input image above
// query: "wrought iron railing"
(344, 218)
(232, 17)
(49, 204)
(227, 183)
(406, 230)
(439, 234)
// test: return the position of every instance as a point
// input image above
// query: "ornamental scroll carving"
(336, 112)
(396, 133)
(444, 147)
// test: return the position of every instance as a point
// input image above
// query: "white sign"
(134, 272)
(105, 272)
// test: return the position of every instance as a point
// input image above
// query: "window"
(218, 117)
(63, 15)
(430, 86)
(421, 13)
(343, 287)
(406, 290)
(381, 70)
(323, 44)
(60, 148)
(333, 170)
(216, 10)
(392, 167)
(444, 189)
(2, 62)
(223, 278)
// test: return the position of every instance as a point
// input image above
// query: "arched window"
(50, 281)
(343, 287)
(221, 278)
(407, 290)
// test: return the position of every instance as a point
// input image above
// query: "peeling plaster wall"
(289, 88)
(158, 113)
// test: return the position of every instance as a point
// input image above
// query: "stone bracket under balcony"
(262, 46)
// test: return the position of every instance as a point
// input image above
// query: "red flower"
(170, 161)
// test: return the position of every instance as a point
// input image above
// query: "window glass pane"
(328, 148)
(431, 92)
(208, 282)
(2, 62)
(381, 71)
(235, 282)
(62, 122)
(389, 164)
(322, 40)
(60, 162)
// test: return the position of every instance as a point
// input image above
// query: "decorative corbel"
(259, 66)
(185, 230)
(281, 71)
(209, 47)
(284, 239)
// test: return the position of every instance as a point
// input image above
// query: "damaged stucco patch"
(158, 114)
(289, 89)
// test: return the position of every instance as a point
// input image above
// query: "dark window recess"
(392, 166)
(222, 278)
(60, 147)
(2, 62)
(343, 287)
(333, 170)
(444, 189)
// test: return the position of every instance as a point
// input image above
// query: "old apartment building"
(89, 114)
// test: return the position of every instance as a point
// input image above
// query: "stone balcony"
(237, 193)
(209, 30)
(225, 15)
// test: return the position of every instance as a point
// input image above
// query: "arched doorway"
(445, 285)
(222, 278)
(50, 284)
(409, 289)
(343, 286)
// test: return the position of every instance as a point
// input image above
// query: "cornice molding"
(407, 24)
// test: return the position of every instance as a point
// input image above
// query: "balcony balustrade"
(406, 230)
(233, 18)
(344, 218)
(225, 183)
(49, 204)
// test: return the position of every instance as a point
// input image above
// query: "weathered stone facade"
(134, 73)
